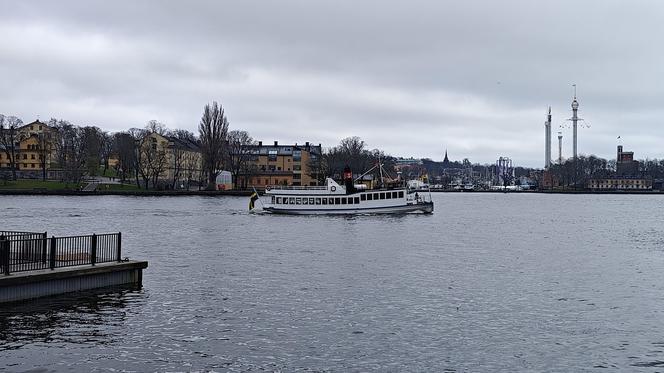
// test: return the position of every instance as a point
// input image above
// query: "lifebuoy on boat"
(333, 188)
(268, 187)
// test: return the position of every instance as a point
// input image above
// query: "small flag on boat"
(252, 199)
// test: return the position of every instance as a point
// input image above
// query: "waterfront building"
(169, 162)
(33, 148)
(290, 165)
(627, 177)
(620, 183)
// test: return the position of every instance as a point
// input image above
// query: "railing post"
(119, 247)
(44, 246)
(53, 248)
(93, 249)
(4, 254)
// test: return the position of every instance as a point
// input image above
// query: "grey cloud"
(410, 77)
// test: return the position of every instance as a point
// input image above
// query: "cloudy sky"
(412, 77)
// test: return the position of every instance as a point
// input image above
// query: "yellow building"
(33, 148)
(169, 161)
(292, 165)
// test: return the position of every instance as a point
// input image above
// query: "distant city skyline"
(411, 78)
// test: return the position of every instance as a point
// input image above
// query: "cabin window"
(350, 200)
(325, 201)
(357, 200)
(298, 201)
(285, 201)
(318, 202)
(273, 200)
(401, 194)
(337, 201)
(331, 201)
(305, 201)
(395, 195)
(388, 195)
(343, 200)
(278, 200)
(291, 200)
(369, 197)
(363, 197)
(311, 200)
(382, 196)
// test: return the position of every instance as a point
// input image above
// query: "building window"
(272, 155)
(32, 156)
(25, 156)
(297, 155)
(32, 165)
(267, 181)
(297, 167)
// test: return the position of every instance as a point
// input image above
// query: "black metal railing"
(25, 251)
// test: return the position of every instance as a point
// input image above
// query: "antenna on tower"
(574, 85)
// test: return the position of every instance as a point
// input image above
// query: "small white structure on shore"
(224, 181)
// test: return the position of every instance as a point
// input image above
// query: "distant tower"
(560, 148)
(575, 119)
(547, 141)
(446, 160)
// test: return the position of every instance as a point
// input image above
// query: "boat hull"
(422, 207)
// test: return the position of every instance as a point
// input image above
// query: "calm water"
(489, 282)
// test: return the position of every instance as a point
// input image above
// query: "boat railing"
(291, 187)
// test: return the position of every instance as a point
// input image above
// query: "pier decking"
(34, 265)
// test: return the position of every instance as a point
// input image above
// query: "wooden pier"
(34, 265)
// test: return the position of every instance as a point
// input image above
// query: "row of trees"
(75, 151)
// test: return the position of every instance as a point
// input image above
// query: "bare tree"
(139, 137)
(213, 130)
(125, 148)
(93, 138)
(8, 139)
(70, 146)
(239, 154)
(107, 148)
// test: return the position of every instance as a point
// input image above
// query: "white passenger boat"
(349, 199)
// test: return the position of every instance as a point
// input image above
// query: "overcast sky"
(412, 78)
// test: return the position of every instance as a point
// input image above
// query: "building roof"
(261, 149)
(184, 144)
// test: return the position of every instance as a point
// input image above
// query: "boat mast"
(380, 166)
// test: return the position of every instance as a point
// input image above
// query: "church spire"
(446, 160)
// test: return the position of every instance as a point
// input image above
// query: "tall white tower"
(560, 148)
(575, 120)
(547, 141)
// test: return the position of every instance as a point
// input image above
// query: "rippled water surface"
(489, 282)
